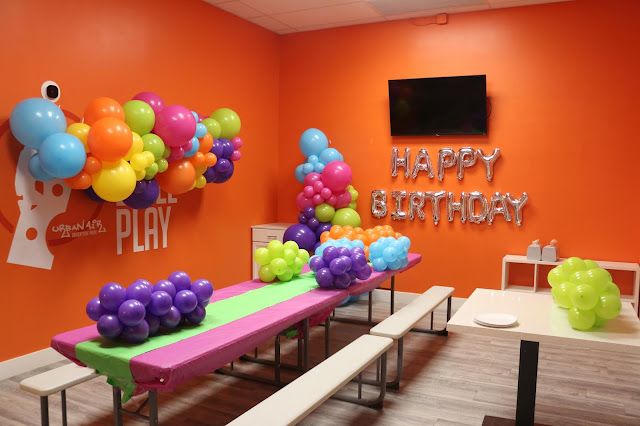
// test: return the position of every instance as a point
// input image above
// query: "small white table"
(540, 320)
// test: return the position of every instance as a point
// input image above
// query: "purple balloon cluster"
(223, 169)
(306, 233)
(339, 267)
(137, 312)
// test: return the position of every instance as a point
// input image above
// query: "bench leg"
(395, 384)
(305, 354)
(153, 408)
(370, 310)
(117, 407)
(44, 410)
(277, 360)
(392, 295)
(443, 331)
(63, 403)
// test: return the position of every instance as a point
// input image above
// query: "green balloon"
(346, 216)
(151, 171)
(163, 165)
(573, 264)
(600, 322)
(286, 275)
(289, 256)
(353, 205)
(611, 288)
(303, 255)
(213, 127)
(278, 266)
(584, 297)
(578, 277)
(261, 256)
(297, 266)
(581, 320)
(608, 306)
(291, 245)
(139, 116)
(556, 276)
(590, 264)
(265, 274)
(562, 294)
(597, 278)
(276, 250)
(229, 122)
(167, 152)
(154, 144)
(325, 212)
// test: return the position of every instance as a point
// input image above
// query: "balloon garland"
(128, 152)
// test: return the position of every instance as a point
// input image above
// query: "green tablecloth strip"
(112, 358)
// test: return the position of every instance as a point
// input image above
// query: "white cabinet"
(260, 237)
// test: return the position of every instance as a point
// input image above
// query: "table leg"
(153, 408)
(63, 403)
(117, 407)
(44, 410)
(327, 337)
(393, 292)
(370, 311)
(305, 355)
(527, 380)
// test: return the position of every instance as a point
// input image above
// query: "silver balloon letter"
(416, 204)
(498, 206)
(435, 198)
(489, 161)
(378, 203)
(447, 157)
(517, 204)
(466, 158)
(471, 207)
(399, 213)
(422, 163)
(454, 206)
(397, 161)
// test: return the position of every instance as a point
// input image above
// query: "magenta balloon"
(302, 235)
(336, 176)
(153, 99)
(175, 125)
(303, 202)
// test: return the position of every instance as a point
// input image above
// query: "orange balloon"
(210, 159)
(397, 235)
(375, 236)
(347, 228)
(109, 139)
(335, 232)
(198, 160)
(178, 178)
(360, 237)
(377, 228)
(92, 165)
(348, 233)
(206, 143)
(366, 252)
(388, 228)
(324, 237)
(102, 107)
(80, 181)
(359, 230)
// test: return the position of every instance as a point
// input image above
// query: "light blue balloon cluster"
(40, 124)
(389, 253)
(315, 147)
(342, 242)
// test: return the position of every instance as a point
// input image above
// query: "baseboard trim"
(31, 361)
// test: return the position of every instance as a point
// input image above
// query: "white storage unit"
(538, 277)
(260, 237)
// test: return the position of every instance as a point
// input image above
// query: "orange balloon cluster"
(367, 236)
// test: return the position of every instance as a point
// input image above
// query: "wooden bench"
(53, 381)
(397, 325)
(295, 401)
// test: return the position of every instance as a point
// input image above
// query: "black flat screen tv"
(438, 106)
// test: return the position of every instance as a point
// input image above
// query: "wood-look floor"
(454, 380)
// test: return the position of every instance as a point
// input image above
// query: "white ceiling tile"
(349, 23)
(328, 15)
(239, 9)
(271, 7)
(396, 7)
(270, 23)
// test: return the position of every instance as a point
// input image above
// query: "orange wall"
(191, 54)
(563, 83)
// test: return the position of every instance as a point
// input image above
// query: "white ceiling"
(289, 16)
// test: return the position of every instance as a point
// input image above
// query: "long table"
(239, 318)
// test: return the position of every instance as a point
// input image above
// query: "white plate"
(495, 319)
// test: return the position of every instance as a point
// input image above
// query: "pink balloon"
(308, 191)
(317, 199)
(177, 153)
(311, 178)
(336, 176)
(187, 146)
(236, 155)
(343, 199)
(303, 202)
(332, 200)
(237, 142)
(318, 186)
(175, 125)
(326, 193)
(153, 99)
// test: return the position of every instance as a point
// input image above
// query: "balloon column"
(283, 261)
(137, 312)
(587, 291)
(128, 152)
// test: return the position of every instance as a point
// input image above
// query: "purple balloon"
(186, 301)
(153, 322)
(171, 319)
(144, 195)
(111, 296)
(358, 260)
(302, 218)
(342, 280)
(180, 280)
(143, 282)
(161, 302)
(109, 326)
(131, 312)
(175, 125)
(357, 250)
(302, 235)
(139, 291)
(309, 212)
(221, 172)
(330, 253)
(136, 334)
(313, 224)
(217, 148)
(89, 192)
(323, 227)
(94, 310)
(364, 273)
(316, 263)
(202, 289)
(153, 99)
(343, 251)
(324, 278)
(197, 315)
(338, 266)
(227, 148)
(166, 286)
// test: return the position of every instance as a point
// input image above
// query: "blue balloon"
(313, 159)
(195, 115)
(62, 155)
(36, 170)
(379, 264)
(318, 167)
(195, 146)
(330, 154)
(300, 173)
(313, 142)
(201, 130)
(307, 168)
(35, 119)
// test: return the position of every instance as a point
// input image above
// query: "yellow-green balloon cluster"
(283, 261)
(587, 291)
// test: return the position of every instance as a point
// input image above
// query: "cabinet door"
(255, 267)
